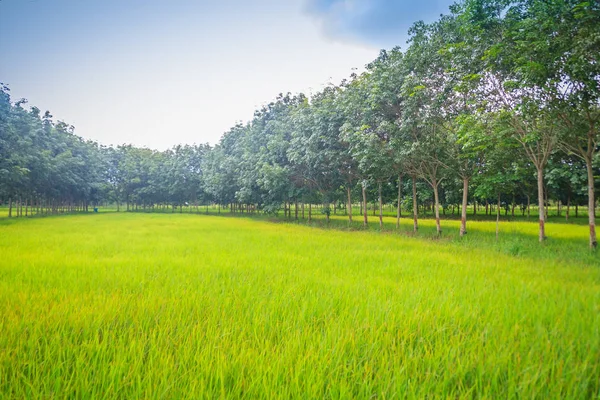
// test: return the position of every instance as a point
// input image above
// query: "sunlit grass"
(153, 305)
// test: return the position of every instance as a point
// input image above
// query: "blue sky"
(383, 23)
(157, 73)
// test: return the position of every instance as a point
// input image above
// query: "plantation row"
(497, 102)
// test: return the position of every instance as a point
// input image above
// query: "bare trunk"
(540, 184)
(303, 211)
(463, 216)
(498, 218)
(437, 209)
(415, 205)
(568, 207)
(512, 210)
(309, 212)
(399, 210)
(365, 211)
(10, 206)
(380, 208)
(349, 193)
(591, 203)
(296, 210)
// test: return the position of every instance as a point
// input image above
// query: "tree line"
(496, 102)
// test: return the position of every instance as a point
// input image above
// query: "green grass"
(134, 305)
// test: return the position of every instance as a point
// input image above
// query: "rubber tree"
(423, 117)
(315, 149)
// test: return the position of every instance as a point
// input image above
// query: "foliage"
(494, 99)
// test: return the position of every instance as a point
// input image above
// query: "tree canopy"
(495, 102)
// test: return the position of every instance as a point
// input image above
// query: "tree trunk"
(474, 207)
(296, 210)
(380, 208)
(528, 207)
(309, 212)
(512, 211)
(568, 207)
(365, 211)
(399, 210)
(591, 203)
(10, 207)
(415, 205)
(542, 219)
(498, 218)
(436, 198)
(522, 209)
(303, 211)
(487, 207)
(349, 193)
(463, 217)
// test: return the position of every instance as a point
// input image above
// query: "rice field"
(133, 305)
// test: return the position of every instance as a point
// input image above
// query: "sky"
(156, 73)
